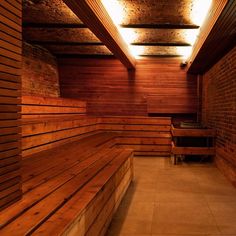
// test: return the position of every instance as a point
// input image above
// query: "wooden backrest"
(41, 107)
(145, 135)
(50, 122)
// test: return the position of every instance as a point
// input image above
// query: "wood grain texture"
(48, 122)
(110, 89)
(217, 37)
(10, 85)
(95, 16)
(142, 134)
(73, 190)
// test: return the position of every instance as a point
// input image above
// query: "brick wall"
(39, 73)
(219, 111)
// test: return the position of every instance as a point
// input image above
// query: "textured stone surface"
(156, 12)
(59, 35)
(134, 12)
(80, 50)
(39, 72)
(48, 11)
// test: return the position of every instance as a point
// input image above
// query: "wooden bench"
(51, 122)
(147, 136)
(73, 189)
(179, 152)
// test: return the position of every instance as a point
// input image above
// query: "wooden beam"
(94, 15)
(62, 43)
(217, 8)
(87, 56)
(164, 44)
(160, 26)
(131, 26)
(52, 25)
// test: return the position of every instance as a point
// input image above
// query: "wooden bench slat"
(52, 171)
(38, 213)
(109, 208)
(97, 190)
(46, 189)
(118, 127)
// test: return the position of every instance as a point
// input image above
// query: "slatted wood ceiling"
(10, 83)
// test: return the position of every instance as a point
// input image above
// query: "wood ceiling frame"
(94, 15)
(207, 30)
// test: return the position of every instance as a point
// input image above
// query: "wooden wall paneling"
(35, 107)
(10, 85)
(109, 89)
(171, 104)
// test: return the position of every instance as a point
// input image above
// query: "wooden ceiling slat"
(176, 36)
(56, 43)
(164, 44)
(53, 25)
(94, 15)
(160, 26)
(133, 26)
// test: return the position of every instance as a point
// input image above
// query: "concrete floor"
(167, 200)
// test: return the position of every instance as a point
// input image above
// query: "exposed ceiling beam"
(160, 55)
(84, 56)
(57, 43)
(165, 44)
(134, 26)
(111, 56)
(161, 26)
(94, 15)
(53, 25)
(211, 38)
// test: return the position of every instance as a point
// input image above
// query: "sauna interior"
(117, 117)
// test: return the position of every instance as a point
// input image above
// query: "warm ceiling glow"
(128, 35)
(115, 10)
(190, 36)
(200, 10)
(199, 14)
(137, 50)
(185, 52)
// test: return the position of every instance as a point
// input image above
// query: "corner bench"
(73, 189)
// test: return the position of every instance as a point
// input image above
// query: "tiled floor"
(167, 200)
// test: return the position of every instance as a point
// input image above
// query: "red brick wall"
(219, 111)
(39, 73)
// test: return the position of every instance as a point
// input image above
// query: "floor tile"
(225, 216)
(189, 199)
(129, 226)
(183, 218)
(135, 210)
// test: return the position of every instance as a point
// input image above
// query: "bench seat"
(73, 189)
